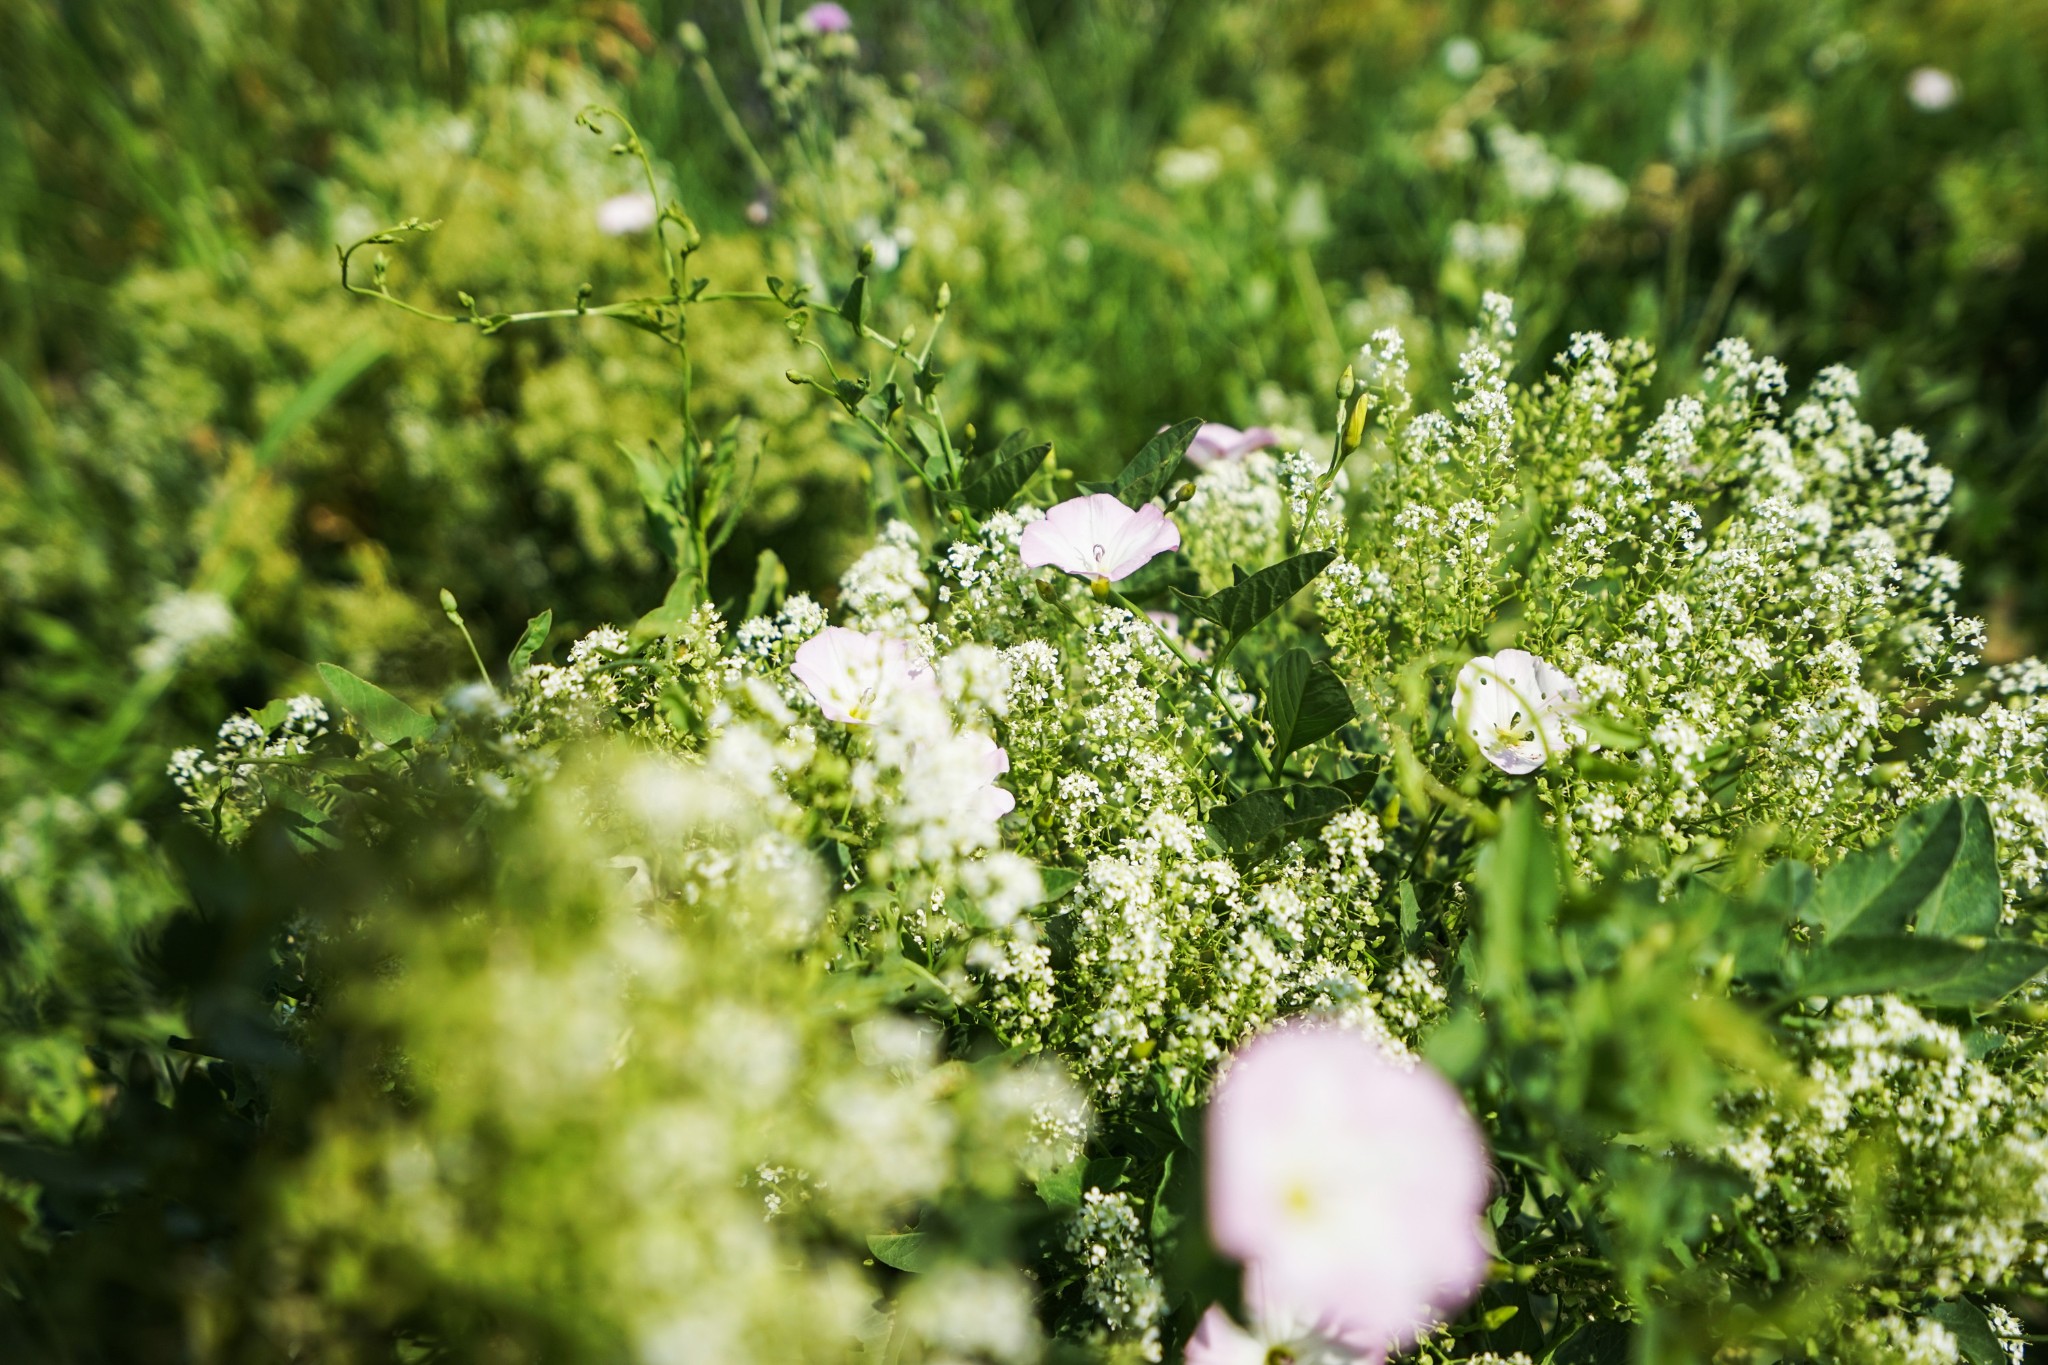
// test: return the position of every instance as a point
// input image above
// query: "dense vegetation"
(691, 752)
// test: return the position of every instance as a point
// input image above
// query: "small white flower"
(1098, 538)
(1931, 89)
(848, 671)
(625, 214)
(1517, 709)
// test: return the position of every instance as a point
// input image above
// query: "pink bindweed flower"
(1350, 1184)
(1517, 709)
(622, 215)
(1098, 538)
(848, 672)
(990, 800)
(1215, 444)
(825, 18)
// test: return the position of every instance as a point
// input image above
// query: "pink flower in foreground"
(1215, 443)
(1276, 1334)
(625, 214)
(990, 800)
(1098, 538)
(825, 18)
(849, 671)
(1350, 1184)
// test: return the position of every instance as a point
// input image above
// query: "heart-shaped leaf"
(1153, 467)
(383, 717)
(1252, 598)
(992, 482)
(1305, 701)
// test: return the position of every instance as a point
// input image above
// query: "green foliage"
(612, 1005)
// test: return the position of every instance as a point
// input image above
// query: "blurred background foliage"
(216, 468)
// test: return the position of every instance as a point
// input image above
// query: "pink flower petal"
(1352, 1183)
(1097, 537)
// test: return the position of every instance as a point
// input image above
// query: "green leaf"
(1967, 902)
(1411, 909)
(383, 717)
(1875, 964)
(991, 483)
(1878, 890)
(1305, 700)
(771, 580)
(1263, 820)
(531, 641)
(1240, 607)
(1517, 874)
(1980, 1344)
(1458, 1045)
(1061, 1189)
(903, 1250)
(1152, 468)
(1786, 889)
(1166, 1219)
(1058, 881)
(1993, 972)
(855, 303)
(318, 394)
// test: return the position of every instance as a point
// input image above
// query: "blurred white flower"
(182, 623)
(1098, 538)
(625, 214)
(1186, 168)
(1486, 244)
(1594, 190)
(1462, 58)
(1931, 89)
(1517, 709)
(1350, 1184)
(849, 672)
(1216, 443)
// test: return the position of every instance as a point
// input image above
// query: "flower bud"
(1354, 429)
(1346, 384)
(867, 257)
(691, 37)
(796, 376)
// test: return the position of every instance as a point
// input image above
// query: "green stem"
(1208, 677)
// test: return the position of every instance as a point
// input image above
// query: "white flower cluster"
(1965, 1149)
(1109, 1244)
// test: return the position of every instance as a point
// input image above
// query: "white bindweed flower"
(1216, 443)
(1517, 709)
(625, 214)
(848, 672)
(990, 800)
(1098, 538)
(1350, 1184)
